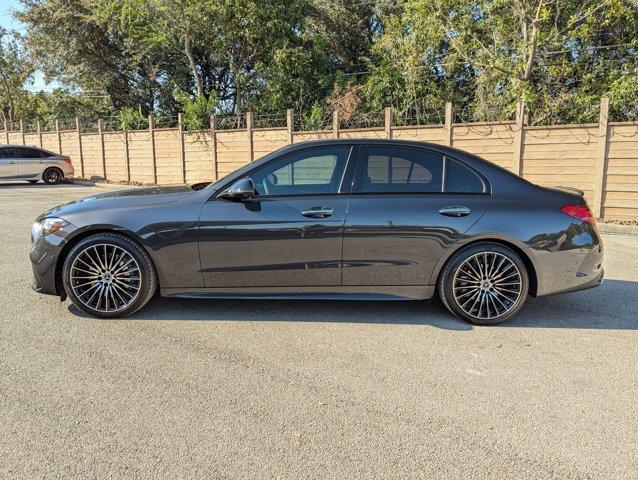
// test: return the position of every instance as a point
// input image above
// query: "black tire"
(145, 285)
(470, 292)
(52, 176)
(32, 182)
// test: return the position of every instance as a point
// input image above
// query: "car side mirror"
(240, 190)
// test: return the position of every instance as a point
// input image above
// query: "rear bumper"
(68, 170)
(576, 266)
(596, 281)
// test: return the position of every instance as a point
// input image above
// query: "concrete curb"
(104, 185)
(616, 229)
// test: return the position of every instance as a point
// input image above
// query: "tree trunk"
(9, 97)
(238, 92)
(531, 48)
(191, 61)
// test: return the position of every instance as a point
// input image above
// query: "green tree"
(15, 72)
(558, 55)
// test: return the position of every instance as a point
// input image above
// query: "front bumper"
(44, 255)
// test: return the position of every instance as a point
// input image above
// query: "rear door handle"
(455, 211)
(317, 212)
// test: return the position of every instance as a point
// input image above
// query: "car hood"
(121, 199)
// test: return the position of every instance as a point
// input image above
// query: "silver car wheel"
(487, 285)
(105, 278)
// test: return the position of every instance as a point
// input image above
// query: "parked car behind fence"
(32, 164)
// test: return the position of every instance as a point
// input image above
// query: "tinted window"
(460, 179)
(7, 152)
(396, 169)
(27, 153)
(313, 171)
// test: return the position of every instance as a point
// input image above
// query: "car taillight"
(581, 212)
(68, 160)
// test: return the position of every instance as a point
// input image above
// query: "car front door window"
(317, 171)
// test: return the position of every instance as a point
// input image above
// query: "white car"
(19, 162)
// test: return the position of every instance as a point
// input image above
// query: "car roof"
(467, 157)
(2, 145)
(35, 147)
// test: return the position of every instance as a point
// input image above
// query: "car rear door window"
(388, 169)
(22, 152)
(308, 172)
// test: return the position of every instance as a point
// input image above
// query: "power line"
(586, 49)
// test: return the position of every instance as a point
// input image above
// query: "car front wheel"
(108, 275)
(484, 284)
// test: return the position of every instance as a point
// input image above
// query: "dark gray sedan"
(338, 219)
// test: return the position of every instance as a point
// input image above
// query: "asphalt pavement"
(301, 389)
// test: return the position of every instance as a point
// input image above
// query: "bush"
(130, 118)
(197, 111)
(314, 119)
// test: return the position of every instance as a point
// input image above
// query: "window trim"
(363, 154)
(341, 190)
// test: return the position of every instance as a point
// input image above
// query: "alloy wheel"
(105, 277)
(487, 285)
(52, 176)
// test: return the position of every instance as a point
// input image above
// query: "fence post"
(290, 126)
(22, 131)
(78, 130)
(100, 130)
(335, 123)
(519, 138)
(213, 131)
(151, 136)
(601, 158)
(127, 164)
(39, 127)
(182, 152)
(249, 131)
(388, 122)
(449, 123)
(57, 131)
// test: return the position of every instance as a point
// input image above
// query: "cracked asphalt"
(300, 389)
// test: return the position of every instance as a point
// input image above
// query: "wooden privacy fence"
(599, 158)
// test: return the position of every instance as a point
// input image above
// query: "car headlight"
(47, 226)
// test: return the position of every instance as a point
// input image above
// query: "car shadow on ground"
(611, 306)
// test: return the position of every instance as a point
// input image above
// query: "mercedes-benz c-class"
(335, 219)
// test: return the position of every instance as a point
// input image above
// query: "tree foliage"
(129, 58)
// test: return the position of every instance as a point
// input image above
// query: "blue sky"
(7, 21)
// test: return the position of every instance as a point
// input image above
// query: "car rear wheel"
(52, 176)
(108, 275)
(484, 284)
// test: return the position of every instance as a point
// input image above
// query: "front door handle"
(455, 211)
(317, 212)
